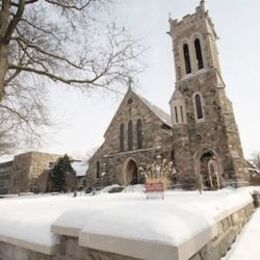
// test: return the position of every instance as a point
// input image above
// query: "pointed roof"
(158, 112)
(162, 115)
(176, 95)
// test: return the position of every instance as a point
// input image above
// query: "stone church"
(200, 136)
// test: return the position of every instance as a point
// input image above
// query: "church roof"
(162, 115)
(158, 112)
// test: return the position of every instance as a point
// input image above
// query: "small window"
(98, 170)
(186, 54)
(122, 138)
(130, 101)
(130, 135)
(198, 54)
(139, 130)
(198, 105)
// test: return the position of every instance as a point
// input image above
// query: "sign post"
(154, 190)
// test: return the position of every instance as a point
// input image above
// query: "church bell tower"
(206, 140)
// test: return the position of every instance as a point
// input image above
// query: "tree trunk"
(4, 22)
(3, 67)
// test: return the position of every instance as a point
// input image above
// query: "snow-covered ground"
(127, 214)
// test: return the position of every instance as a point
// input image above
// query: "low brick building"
(27, 168)
(5, 171)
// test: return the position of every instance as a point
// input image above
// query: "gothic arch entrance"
(130, 172)
(209, 170)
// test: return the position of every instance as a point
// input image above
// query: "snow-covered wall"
(124, 226)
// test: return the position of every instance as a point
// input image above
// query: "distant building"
(80, 168)
(5, 171)
(253, 171)
(27, 168)
(47, 181)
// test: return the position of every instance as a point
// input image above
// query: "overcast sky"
(83, 119)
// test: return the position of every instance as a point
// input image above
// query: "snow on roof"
(80, 167)
(157, 111)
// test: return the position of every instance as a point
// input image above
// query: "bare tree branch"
(71, 42)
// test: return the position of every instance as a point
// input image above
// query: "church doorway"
(209, 171)
(131, 172)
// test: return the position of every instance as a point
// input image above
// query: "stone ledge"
(128, 247)
(44, 249)
(229, 212)
(65, 231)
(148, 250)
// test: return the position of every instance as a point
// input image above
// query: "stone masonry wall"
(11, 252)
(216, 131)
(69, 250)
(228, 230)
(112, 160)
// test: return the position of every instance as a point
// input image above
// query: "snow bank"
(157, 222)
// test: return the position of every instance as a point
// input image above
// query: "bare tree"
(72, 42)
(256, 160)
(63, 41)
(22, 117)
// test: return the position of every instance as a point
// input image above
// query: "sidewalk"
(247, 246)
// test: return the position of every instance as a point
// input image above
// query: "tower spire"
(202, 5)
(130, 83)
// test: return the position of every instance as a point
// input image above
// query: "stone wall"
(12, 252)
(228, 229)
(69, 250)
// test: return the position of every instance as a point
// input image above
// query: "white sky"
(84, 118)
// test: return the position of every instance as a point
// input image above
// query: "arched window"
(198, 54)
(122, 138)
(186, 54)
(198, 105)
(98, 170)
(130, 135)
(139, 130)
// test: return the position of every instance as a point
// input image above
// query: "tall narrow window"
(198, 54)
(198, 105)
(122, 138)
(139, 130)
(176, 115)
(98, 170)
(130, 135)
(186, 54)
(182, 117)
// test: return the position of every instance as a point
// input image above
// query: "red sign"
(154, 187)
(154, 190)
